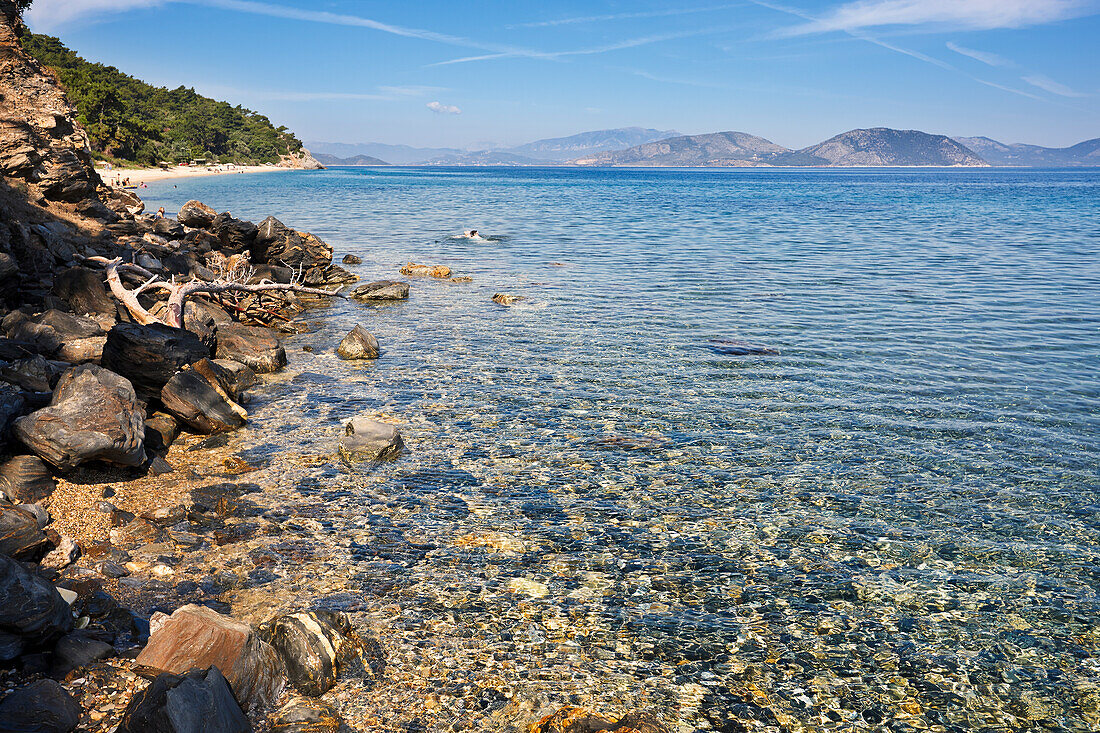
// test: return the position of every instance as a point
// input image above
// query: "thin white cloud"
(46, 15)
(237, 95)
(622, 16)
(443, 109)
(1049, 85)
(990, 59)
(957, 14)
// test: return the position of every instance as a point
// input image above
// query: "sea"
(757, 450)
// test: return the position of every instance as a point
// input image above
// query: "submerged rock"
(31, 610)
(369, 440)
(149, 355)
(352, 260)
(93, 416)
(438, 271)
(40, 707)
(200, 701)
(196, 636)
(358, 344)
(256, 347)
(579, 720)
(316, 647)
(381, 290)
(734, 347)
(303, 715)
(506, 299)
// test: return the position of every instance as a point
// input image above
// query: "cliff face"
(40, 141)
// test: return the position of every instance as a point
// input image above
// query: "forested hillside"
(130, 120)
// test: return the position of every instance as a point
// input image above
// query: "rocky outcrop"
(200, 701)
(358, 344)
(303, 160)
(93, 416)
(196, 214)
(381, 290)
(32, 612)
(369, 440)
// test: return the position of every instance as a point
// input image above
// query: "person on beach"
(159, 214)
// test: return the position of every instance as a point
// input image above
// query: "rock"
(201, 405)
(165, 515)
(461, 279)
(438, 271)
(370, 440)
(197, 702)
(31, 610)
(149, 355)
(579, 720)
(234, 235)
(328, 275)
(303, 715)
(316, 647)
(277, 243)
(352, 260)
(35, 374)
(506, 299)
(78, 649)
(254, 346)
(196, 636)
(20, 534)
(161, 430)
(734, 347)
(50, 331)
(93, 416)
(196, 214)
(43, 706)
(168, 228)
(27, 479)
(381, 290)
(358, 344)
(82, 351)
(85, 291)
(133, 531)
(12, 404)
(243, 377)
(62, 556)
(274, 273)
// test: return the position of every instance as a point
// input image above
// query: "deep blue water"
(895, 518)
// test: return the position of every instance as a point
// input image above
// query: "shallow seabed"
(891, 524)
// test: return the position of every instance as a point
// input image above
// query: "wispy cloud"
(990, 59)
(46, 15)
(622, 16)
(1049, 85)
(956, 14)
(443, 109)
(380, 94)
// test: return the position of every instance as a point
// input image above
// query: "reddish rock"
(579, 720)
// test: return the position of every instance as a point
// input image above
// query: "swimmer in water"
(471, 234)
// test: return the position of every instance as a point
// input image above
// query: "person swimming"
(470, 234)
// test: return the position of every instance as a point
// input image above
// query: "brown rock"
(303, 715)
(196, 214)
(358, 344)
(506, 299)
(20, 535)
(200, 404)
(26, 479)
(254, 346)
(579, 720)
(381, 290)
(439, 271)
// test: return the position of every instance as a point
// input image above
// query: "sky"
(447, 73)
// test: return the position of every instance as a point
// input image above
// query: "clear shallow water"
(893, 523)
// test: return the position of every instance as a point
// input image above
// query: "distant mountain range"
(636, 146)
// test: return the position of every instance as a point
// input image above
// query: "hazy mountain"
(884, 146)
(561, 149)
(395, 154)
(715, 149)
(326, 159)
(484, 157)
(998, 153)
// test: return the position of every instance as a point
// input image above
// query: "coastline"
(148, 175)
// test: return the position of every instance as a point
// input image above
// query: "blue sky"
(469, 74)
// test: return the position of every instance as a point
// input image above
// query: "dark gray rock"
(12, 404)
(358, 344)
(328, 275)
(195, 402)
(369, 440)
(168, 228)
(243, 377)
(234, 235)
(20, 533)
(316, 647)
(149, 355)
(381, 290)
(50, 331)
(32, 612)
(26, 479)
(196, 214)
(197, 702)
(78, 649)
(40, 707)
(93, 416)
(352, 260)
(254, 346)
(36, 374)
(278, 244)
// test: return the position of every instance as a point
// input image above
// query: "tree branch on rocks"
(229, 280)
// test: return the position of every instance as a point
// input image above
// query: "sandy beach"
(148, 175)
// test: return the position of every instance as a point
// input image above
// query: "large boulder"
(196, 214)
(26, 479)
(196, 636)
(93, 416)
(277, 243)
(197, 702)
(254, 346)
(318, 646)
(43, 706)
(200, 404)
(85, 291)
(358, 344)
(150, 355)
(20, 534)
(12, 404)
(169, 228)
(369, 440)
(32, 612)
(234, 235)
(381, 290)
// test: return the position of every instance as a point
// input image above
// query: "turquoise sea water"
(892, 523)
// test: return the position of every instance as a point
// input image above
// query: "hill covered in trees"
(129, 120)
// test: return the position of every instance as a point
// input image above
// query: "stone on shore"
(352, 260)
(161, 430)
(578, 720)
(26, 479)
(256, 347)
(200, 701)
(195, 401)
(381, 290)
(62, 556)
(506, 299)
(196, 636)
(43, 706)
(85, 291)
(316, 647)
(438, 271)
(51, 330)
(328, 275)
(369, 440)
(358, 344)
(169, 228)
(75, 650)
(12, 403)
(277, 243)
(20, 533)
(196, 214)
(241, 375)
(35, 374)
(234, 235)
(32, 612)
(304, 715)
(93, 416)
(149, 355)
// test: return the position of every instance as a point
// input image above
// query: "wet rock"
(20, 534)
(381, 290)
(62, 556)
(358, 344)
(78, 649)
(85, 291)
(328, 275)
(254, 346)
(197, 702)
(200, 405)
(93, 416)
(31, 610)
(352, 260)
(369, 440)
(241, 375)
(43, 706)
(149, 355)
(579, 720)
(234, 235)
(161, 430)
(438, 271)
(303, 715)
(196, 214)
(196, 636)
(279, 244)
(734, 347)
(27, 479)
(506, 299)
(316, 647)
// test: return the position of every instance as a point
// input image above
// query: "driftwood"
(232, 280)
